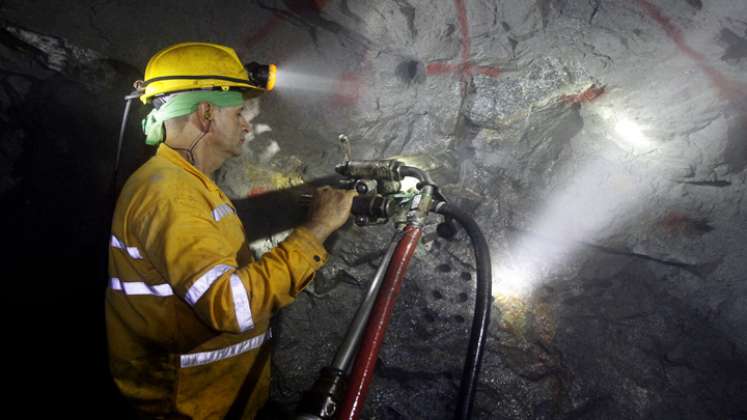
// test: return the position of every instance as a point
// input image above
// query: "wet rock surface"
(601, 146)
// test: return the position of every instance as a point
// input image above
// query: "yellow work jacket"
(188, 308)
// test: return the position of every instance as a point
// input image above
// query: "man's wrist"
(318, 230)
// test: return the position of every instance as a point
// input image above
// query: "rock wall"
(601, 145)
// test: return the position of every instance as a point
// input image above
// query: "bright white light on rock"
(511, 282)
(408, 183)
(632, 134)
(262, 128)
(626, 132)
(599, 197)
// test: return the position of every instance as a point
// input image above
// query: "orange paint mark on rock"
(588, 95)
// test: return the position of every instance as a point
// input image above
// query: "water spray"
(600, 195)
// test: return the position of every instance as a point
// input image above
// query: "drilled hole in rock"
(410, 71)
(444, 268)
(429, 315)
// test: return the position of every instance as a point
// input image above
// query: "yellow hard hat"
(201, 65)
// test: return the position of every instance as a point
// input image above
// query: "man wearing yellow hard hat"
(188, 308)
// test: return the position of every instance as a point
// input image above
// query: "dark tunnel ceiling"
(601, 145)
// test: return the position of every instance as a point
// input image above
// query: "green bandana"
(185, 104)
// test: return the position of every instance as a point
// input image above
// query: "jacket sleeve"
(188, 249)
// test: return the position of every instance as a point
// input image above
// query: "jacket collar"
(174, 157)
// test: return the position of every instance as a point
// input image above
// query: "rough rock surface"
(601, 145)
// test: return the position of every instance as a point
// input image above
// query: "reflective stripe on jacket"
(188, 309)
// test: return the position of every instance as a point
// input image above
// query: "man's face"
(231, 128)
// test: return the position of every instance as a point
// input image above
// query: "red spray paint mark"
(263, 31)
(488, 71)
(256, 191)
(350, 85)
(675, 222)
(299, 7)
(348, 89)
(588, 95)
(439, 68)
(465, 69)
(463, 29)
(728, 89)
(319, 4)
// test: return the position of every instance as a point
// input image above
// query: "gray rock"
(599, 144)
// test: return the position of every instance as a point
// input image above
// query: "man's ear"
(204, 116)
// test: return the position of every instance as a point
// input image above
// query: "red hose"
(365, 362)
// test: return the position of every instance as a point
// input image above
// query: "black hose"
(482, 309)
(418, 173)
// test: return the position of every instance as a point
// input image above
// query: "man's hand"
(329, 210)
